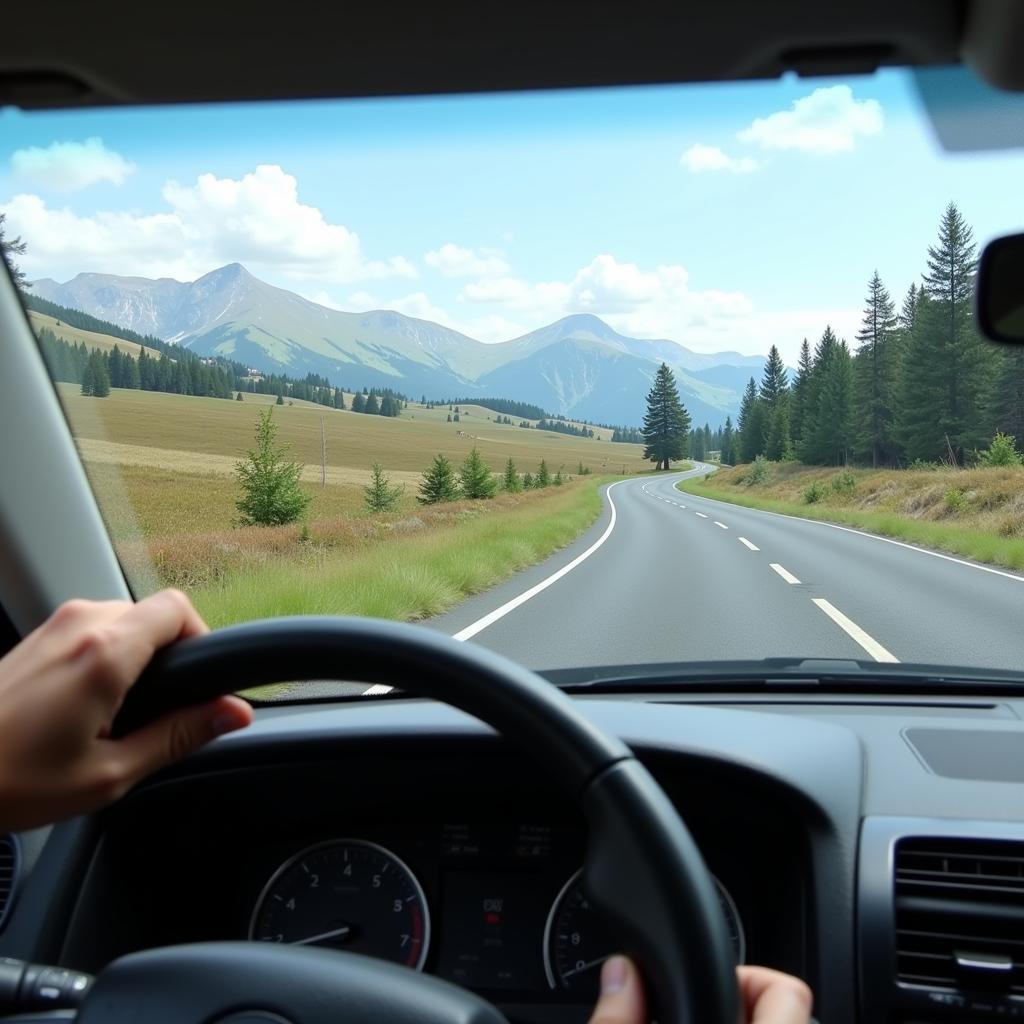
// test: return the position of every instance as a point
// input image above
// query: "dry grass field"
(143, 421)
(975, 512)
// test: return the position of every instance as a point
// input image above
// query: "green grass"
(979, 544)
(408, 576)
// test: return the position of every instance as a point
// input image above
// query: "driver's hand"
(59, 691)
(768, 997)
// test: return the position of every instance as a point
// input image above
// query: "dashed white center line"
(376, 690)
(872, 646)
(784, 573)
(701, 514)
(722, 525)
(746, 543)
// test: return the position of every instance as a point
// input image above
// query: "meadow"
(163, 469)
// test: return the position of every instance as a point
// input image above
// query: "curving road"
(667, 576)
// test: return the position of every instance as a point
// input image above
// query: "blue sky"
(723, 217)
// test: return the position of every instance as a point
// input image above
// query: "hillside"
(578, 366)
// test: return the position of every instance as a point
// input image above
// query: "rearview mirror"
(1001, 290)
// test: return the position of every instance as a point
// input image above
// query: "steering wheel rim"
(642, 867)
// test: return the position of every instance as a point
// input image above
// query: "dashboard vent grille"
(8, 871)
(960, 913)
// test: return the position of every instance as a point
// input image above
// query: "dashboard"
(409, 831)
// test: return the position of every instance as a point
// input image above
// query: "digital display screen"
(493, 931)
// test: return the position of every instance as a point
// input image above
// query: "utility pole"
(323, 454)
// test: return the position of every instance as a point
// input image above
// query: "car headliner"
(66, 53)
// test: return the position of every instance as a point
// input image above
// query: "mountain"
(578, 366)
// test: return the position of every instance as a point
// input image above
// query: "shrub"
(1001, 452)
(758, 473)
(844, 483)
(955, 499)
(923, 464)
(814, 493)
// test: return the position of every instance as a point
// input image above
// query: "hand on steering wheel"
(768, 997)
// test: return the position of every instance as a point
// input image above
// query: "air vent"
(8, 873)
(960, 914)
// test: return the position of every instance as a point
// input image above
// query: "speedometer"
(346, 894)
(577, 940)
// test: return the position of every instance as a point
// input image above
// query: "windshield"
(632, 376)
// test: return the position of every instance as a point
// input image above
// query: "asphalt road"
(675, 577)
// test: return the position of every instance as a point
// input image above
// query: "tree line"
(922, 386)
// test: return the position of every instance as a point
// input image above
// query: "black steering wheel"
(642, 868)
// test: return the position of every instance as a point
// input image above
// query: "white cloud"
(710, 158)
(455, 261)
(829, 120)
(257, 220)
(70, 166)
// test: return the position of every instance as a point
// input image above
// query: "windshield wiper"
(827, 675)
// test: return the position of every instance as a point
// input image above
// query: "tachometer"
(577, 940)
(346, 894)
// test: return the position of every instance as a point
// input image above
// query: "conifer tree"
(875, 375)
(358, 402)
(379, 495)
(1007, 401)
(510, 481)
(475, 479)
(666, 422)
(271, 495)
(947, 368)
(798, 398)
(438, 483)
(543, 477)
(372, 405)
(751, 424)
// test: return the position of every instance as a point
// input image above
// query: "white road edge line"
(784, 573)
(499, 613)
(874, 536)
(746, 543)
(722, 525)
(872, 646)
(376, 690)
(701, 514)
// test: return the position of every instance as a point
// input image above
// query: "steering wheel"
(642, 868)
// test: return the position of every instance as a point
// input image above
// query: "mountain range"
(578, 366)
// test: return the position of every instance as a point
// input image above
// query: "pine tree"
(875, 376)
(527, 481)
(379, 495)
(438, 483)
(751, 424)
(87, 379)
(510, 481)
(827, 427)
(798, 395)
(1007, 401)
(271, 495)
(100, 381)
(666, 422)
(475, 477)
(238, 397)
(947, 368)
(543, 477)
(728, 443)
(9, 248)
(280, 399)
(774, 385)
